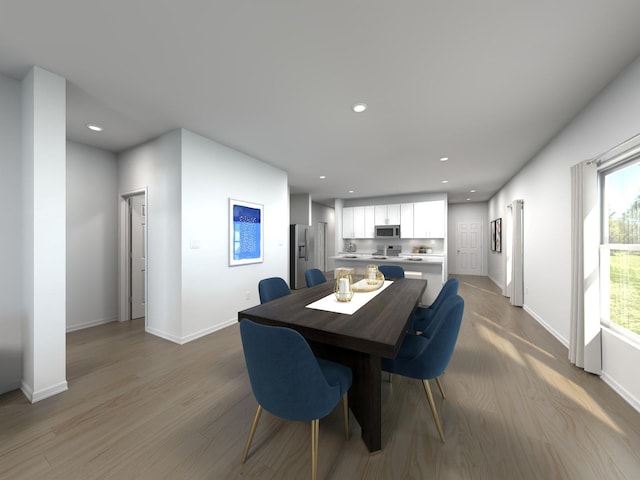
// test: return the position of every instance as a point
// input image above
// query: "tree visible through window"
(621, 202)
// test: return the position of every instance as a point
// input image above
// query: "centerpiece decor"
(343, 288)
(373, 280)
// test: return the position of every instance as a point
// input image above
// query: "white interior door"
(137, 255)
(469, 247)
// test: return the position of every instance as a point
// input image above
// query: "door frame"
(124, 266)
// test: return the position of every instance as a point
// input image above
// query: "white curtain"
(585, 348)
(516, 277)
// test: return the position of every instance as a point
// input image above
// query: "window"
(620, 249)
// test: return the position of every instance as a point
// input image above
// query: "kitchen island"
(430, 267)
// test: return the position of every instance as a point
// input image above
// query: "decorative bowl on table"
(373, 280)
(372, 275)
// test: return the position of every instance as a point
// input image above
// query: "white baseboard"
(192, 336)
(34, 397)
(497, 284)
(94, 323)
(164, 335)
(209, 330)
(620, 390)
(547, 327)
(9, 387)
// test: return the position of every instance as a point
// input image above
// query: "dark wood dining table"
(359, 340)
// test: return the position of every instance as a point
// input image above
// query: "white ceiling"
(485, 83)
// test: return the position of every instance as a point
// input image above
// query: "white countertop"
(416, 258)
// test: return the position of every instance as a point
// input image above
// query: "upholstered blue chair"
(314, 276)
(427, 358)
(290, 382)
(391, 271)
(423, 316)
(272, 288)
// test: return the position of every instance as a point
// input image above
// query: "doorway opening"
(133, 256)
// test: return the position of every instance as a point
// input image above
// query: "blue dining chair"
(272, 288)
(423, 316)
(391, 271)
(290, 382)
(425, 358)
(314, 276)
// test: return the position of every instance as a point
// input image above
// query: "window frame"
(620, 163)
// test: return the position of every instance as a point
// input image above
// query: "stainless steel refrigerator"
(301, 255)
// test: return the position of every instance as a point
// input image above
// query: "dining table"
(358, 335)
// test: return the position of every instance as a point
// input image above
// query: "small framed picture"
(498, 241)
(493, 235)
(246, 232)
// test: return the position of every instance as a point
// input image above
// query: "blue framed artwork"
(246, 232)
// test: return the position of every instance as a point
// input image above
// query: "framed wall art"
(246, 232)
(499, 235)
(493, 235)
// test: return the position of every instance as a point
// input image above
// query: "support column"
(44, 234)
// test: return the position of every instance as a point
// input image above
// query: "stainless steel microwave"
(387, 231)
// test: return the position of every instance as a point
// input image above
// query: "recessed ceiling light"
(445, 181)
(472, 191)
(350, 191)
(468, 199)
(95, 128)
(444, 159)
(359, 107)
(323, 177)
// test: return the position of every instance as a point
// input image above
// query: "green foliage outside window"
(621, 187)
(624, 285)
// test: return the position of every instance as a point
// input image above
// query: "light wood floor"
(139, 407)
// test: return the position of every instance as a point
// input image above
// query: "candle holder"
(343, 288)
(373, 276)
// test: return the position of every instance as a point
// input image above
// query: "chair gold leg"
(434, 411)
(251, 432)
(345, 414)
(315, 430)
(440, 387)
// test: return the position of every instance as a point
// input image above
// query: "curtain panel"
(585, 346)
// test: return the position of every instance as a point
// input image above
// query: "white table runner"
(331, 304)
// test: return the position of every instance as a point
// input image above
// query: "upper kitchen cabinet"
(358, 222)
(347, 223)
(406, 220)
(387, 214)
(428, 219)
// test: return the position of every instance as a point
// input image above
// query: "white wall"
(212, 291)
(11, 251)
(92, 236)
(465, 212)
(300, 209)
(324, 214)
(156, 165)
(544, 185)
(193, 291)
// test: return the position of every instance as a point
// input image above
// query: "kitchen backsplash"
(370, 245)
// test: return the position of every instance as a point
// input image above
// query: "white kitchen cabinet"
(347, 223)
(406, 220)
(358, 222)
(428, 219)
(369, 222)
(387, 214)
